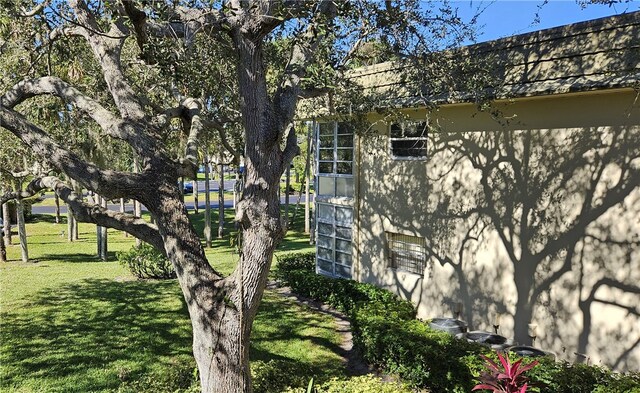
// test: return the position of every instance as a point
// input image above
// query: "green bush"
(385, 329)
(388, 336)
(146, 262)
(275, 376)
(562, 377)
(292, 261)
(362, 384)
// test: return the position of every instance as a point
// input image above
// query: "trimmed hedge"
(385, 330)
(388, 336)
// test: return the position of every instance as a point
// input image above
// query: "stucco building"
(521, 212)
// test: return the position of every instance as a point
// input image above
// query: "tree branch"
(95, 214)
(291, 148)
(183, 23)
(106, 50)
(193, 122)
(302, 53)
(223, 138)
(110, 124)
(35, 10)
(110, 184)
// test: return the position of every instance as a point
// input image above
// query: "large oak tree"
(273, 53)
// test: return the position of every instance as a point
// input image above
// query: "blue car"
(188, 188)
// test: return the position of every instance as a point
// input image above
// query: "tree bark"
(97, 201)
(70, 225)
(287, 185)
(137, 212)
(137, 209)
(207, 201)
(221, 202)
(307, 178)
(22, 230)
(103, 235)
(3, 248)
(75, 231)
(195, 195)
(123, 209)
(57, 201)
(6, 217)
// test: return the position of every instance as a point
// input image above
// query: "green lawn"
(70, 323)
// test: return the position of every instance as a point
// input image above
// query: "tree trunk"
(6, 217)
(97, 202)
(221, 310)
(75, 230)
(137, 209)
(287, 185)
(70, 225)
(221, 203)
(3, 248)
(22, 231)
(236, 189)
(137, 212)
(57, 201)
(195, 195)
(307, 176)
(207, 201)
(123, 209)
(103, 235)
(181, 185)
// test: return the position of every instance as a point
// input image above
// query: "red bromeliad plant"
(507, 378)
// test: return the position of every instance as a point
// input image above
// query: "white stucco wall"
(577, 313)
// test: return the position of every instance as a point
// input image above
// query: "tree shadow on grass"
(90, 334)
(76, 257)
(101, 335)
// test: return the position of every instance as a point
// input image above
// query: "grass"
(71, 323)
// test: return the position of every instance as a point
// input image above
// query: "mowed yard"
(71, 323)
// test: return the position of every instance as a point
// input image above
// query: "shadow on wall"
(539, 225)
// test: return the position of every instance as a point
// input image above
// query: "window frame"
(424, 138)
(334, 237)
(418, 268)
(347, 179)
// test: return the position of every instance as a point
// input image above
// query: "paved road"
(228, 203)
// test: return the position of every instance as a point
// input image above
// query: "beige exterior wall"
(592, 308)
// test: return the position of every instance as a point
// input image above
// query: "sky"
(502, 18)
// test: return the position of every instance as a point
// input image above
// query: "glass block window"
(408, 140)
(335, 160)
(334, 234)
(406, 252)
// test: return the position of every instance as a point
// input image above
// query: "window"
(334, 235)
(406, 252)
(335, 160)
(408, 140)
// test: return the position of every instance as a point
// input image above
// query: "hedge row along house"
(519, 213)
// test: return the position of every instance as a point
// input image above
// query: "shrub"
(562, 377)
(362, 384)
(387, 335)
(292, 261)
(505, 376)
(274, 376)
(146, 262)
